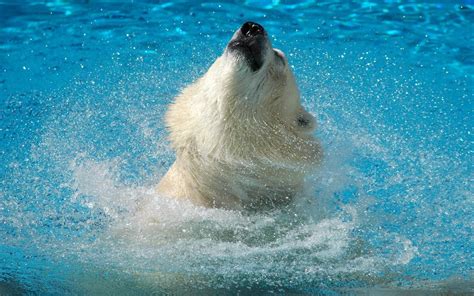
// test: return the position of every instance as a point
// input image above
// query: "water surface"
(83, 89)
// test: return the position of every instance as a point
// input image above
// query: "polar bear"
(242, 138)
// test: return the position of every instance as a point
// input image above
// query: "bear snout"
(250, 42)
(251, 29)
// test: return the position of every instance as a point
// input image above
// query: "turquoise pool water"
(83, 89)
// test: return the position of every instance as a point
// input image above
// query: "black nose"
(251, 29)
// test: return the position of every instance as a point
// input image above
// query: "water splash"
(83, 145)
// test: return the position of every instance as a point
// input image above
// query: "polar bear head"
(248, 94)
(253, 76)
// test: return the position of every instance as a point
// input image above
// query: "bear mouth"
(250, 42)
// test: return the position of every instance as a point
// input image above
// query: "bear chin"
(242, 138)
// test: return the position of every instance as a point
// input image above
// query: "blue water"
(83, 89)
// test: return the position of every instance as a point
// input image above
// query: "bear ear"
(304, 121)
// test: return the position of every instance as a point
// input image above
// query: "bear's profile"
(242, 138)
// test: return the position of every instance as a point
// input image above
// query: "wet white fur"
(237, 139)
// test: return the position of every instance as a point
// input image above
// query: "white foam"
(152, 233)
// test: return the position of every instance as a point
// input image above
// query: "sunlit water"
(83, 89)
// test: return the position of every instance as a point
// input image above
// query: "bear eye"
(302, 122)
